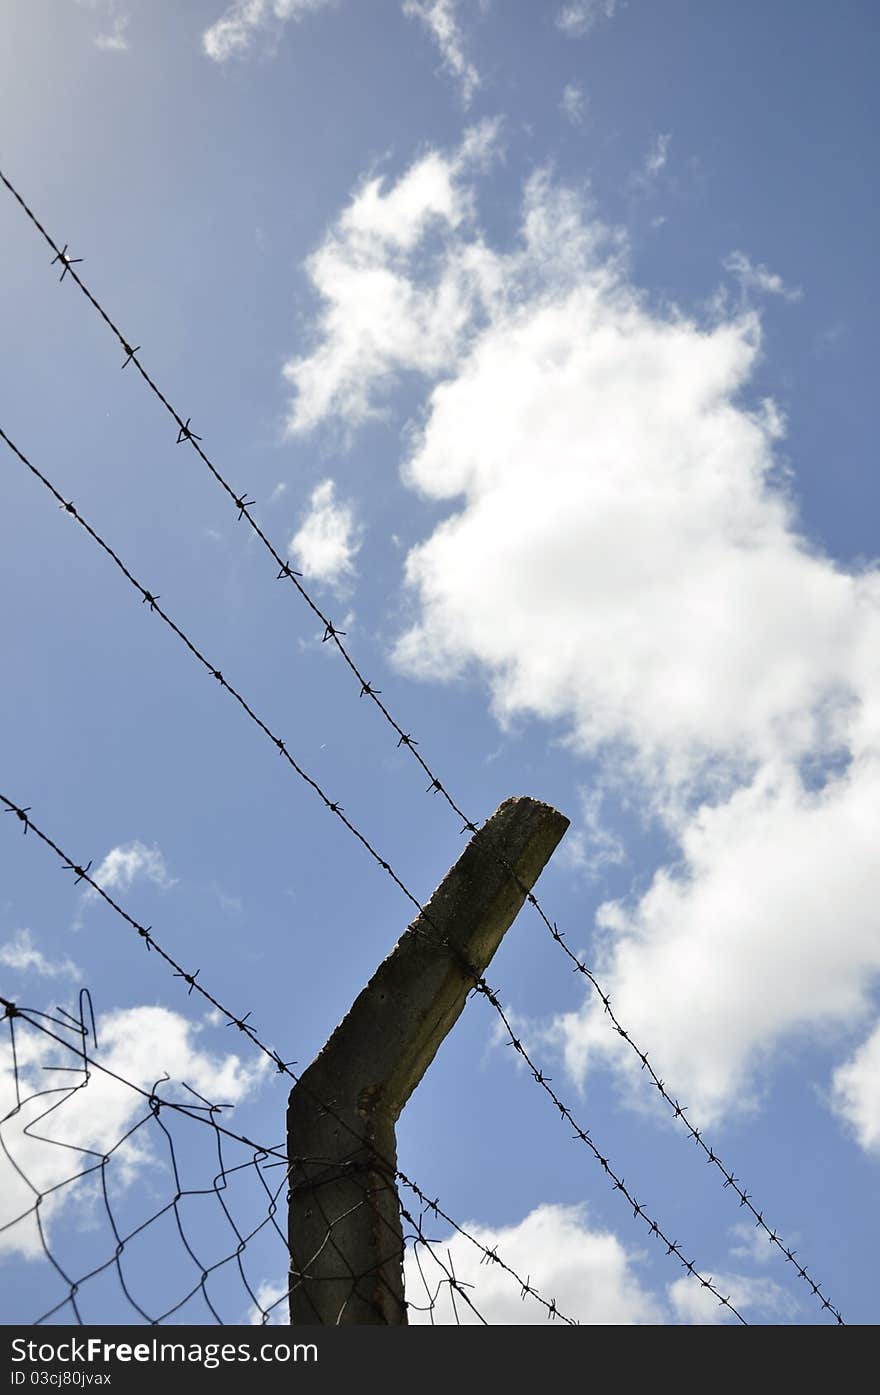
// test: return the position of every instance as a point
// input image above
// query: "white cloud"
(646, 584)
(573, 103)
(767, 929)
(758, 278)
(692, 1303)
(856, 1092)
(588, 1272)
(20, 953)
(751, 1243)
(577, 19)
(278, 492)
(328, 539)
(233, 35)
(137, 1044)
(654, 163)
(440, 19)
(589, 846)
(128, 862)
(121, 868)
(272, 1298)
(375, 319)
(620, 557)
(657, 156)
(116, 39)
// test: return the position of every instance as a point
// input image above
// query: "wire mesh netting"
(138, 1201)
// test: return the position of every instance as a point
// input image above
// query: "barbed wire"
(153, 1111)
(406, 739)
(479, 982)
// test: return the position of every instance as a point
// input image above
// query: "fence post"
(346, 1242)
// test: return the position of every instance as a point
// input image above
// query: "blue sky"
(541, 336)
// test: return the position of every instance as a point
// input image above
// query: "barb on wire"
(405, 738)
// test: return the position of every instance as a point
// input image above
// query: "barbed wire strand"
(479, 983)
(405, 739)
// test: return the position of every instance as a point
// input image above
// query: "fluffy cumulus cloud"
(327, 541)
(588, 1272)
(398, 289)
(138, 1044)
(21, 954)
(620, 557)
(440, 18)
(234, 34)
(767, 929)
(856, 1092)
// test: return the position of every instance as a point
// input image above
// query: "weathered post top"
(345, 1238)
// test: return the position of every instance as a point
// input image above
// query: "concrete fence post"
(346, 1242)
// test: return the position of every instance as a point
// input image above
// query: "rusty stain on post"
(346, 1241)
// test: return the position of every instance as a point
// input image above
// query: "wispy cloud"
(694, 1304)
(756, 277)
(577, 19)
(129, 862)
(122, 867)
(589, 846)
(21, 953)
(573, 103)
(751, 1243)
(246, 22)
(644, 178)
(115, 40)
(440, 18)
(234, 34)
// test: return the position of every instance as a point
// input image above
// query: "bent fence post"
(346, 1241)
